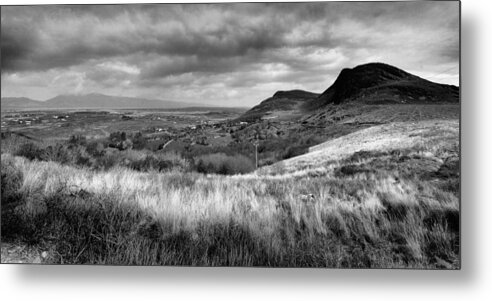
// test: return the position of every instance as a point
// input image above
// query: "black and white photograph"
(268, 135)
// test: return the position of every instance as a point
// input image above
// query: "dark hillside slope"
(378, 83)
(281, 101)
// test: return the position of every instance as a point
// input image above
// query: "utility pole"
(255, 143)
(256, 152)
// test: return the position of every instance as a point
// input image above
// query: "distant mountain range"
(373, 83)
(91, 101)
(19, 103)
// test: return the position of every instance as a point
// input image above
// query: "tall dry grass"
(363, 219)
(432, 136)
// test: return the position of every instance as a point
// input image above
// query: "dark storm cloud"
(64, 36)
(152, 47)
(16, 44)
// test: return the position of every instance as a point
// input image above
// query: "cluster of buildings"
(29, 119)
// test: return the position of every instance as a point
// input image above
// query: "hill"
(19, 103)
(368, 84)
(378, 83)
(92, 101)
(281, 104)
(414, 146)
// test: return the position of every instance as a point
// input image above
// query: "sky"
(219, 54)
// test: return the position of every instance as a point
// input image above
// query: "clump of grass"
(224, 164)
(30, 151)
(11, 179)
(11, 197)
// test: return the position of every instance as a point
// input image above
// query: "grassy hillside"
(363, 114)
(385, 197)
(435, 140)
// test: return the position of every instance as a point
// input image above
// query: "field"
(382, 196)
(94, 124)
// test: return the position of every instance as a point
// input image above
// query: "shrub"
(176, 160)
(365, 155)
(30, 151)
(294, 151)
(146, 161)
(11, 198)
(117, 136)
(223, 164)
(139, 141)
(267, 161)
(77, 140)
(314, 140)
(95, 149)
(67, 154)
(107, 161)
(11, 178)
(150, 162)
(350, 170)
(57, 153)
(80, 157)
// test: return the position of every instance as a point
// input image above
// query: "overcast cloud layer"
(220, 54)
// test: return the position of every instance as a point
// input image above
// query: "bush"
(72, 154)
(57, 153)
(80, 157)
(30, 151)
(120, 140)
(294, 151)
(94, 155)
(350, 170)
(139, 141)
(11, 178)
(146, 161)
(142, 161)
(77, 140)
(95, 149)
(11, 197)
(223, 164)
(314, 140)
(117, 136)
(107, 161)
(149, 163)
(175, 160)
